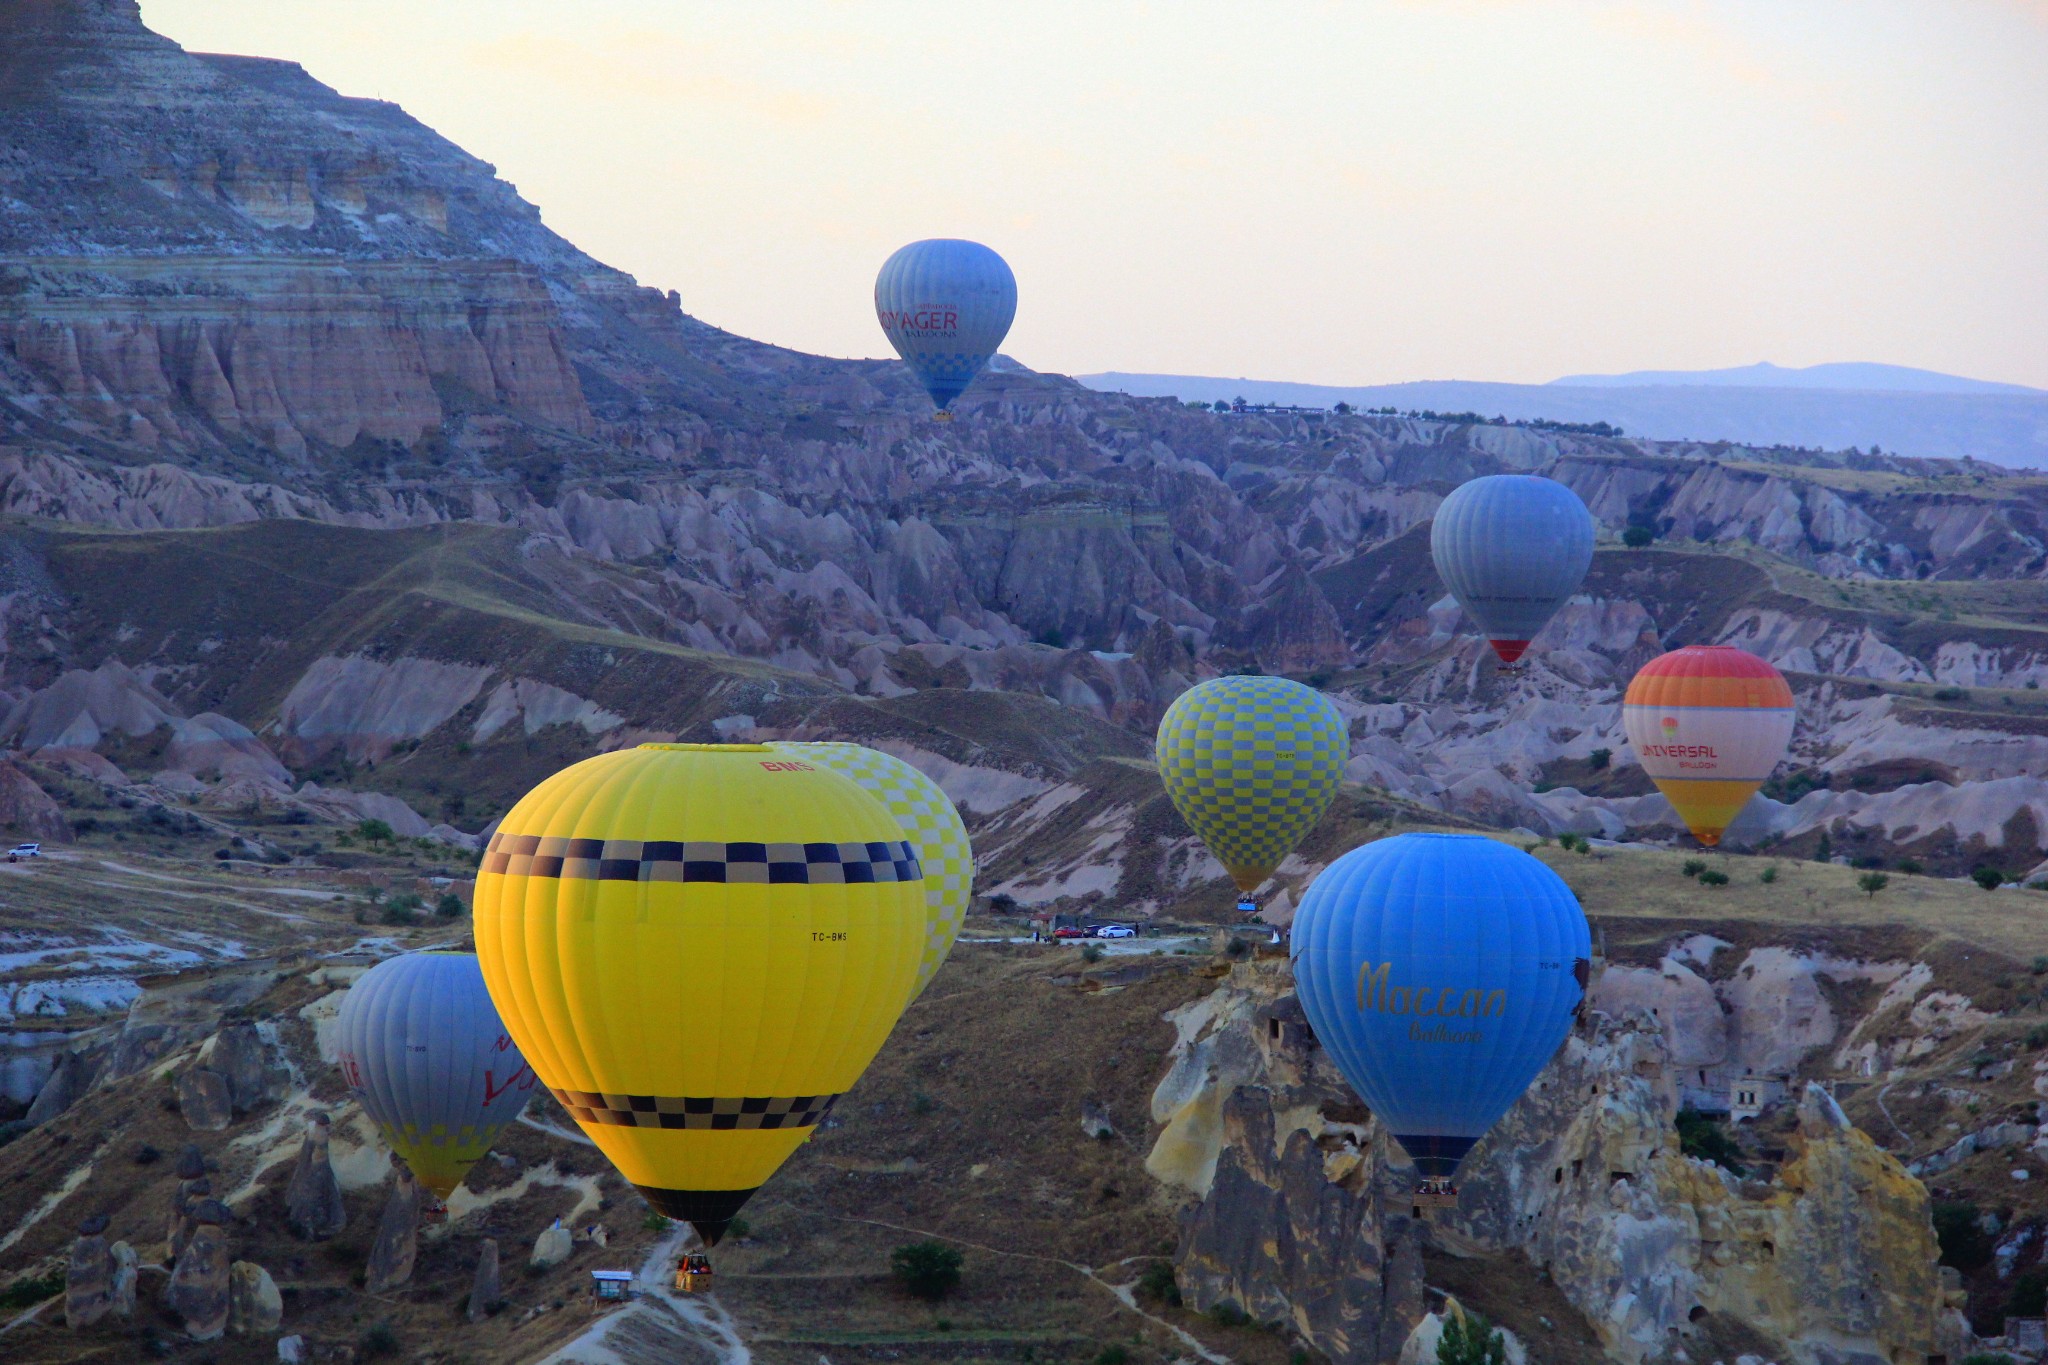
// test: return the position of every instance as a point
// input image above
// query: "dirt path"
(1124, 1294)
(660, 1326)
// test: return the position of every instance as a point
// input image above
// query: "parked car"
(20, 851)
(1115, 931)
(1069, 931)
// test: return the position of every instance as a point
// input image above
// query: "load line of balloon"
(699, 948)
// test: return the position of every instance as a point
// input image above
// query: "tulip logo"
(1670, 724)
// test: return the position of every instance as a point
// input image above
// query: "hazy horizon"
(1342, 195)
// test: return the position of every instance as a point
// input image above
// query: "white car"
(20, 851)
(1115, 931)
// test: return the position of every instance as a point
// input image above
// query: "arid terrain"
(341, 500)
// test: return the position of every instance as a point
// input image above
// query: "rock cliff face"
(1303, 1216)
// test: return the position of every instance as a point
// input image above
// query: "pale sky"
(1339, 193)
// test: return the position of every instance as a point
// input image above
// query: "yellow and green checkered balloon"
(932, 826)
(1251, 764)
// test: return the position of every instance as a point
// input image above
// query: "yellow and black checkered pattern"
(696, 1111)
(1251, 763)
(676, 860)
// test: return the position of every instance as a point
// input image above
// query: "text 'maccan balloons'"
(700, 948)
(1442, 972)
(1708, 723)
(424, 1051)
(1251, 763)
(928, 820)
(1512, 548)
(946, 305)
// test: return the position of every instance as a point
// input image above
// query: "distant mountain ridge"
(2005, 427)
(1856, 375)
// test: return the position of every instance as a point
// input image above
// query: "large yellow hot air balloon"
(1251, 763)
(1708, 723)
(699, 948)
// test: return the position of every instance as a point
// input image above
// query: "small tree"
(1599, 759)
(1713, 877)
(1636, 537)
(375, 832)
(1873, 882)
(1768, 875)
(1990, 878)
(450, 906)
(1343, 409)
(928, 1270)
(1692, 867)
(1469, 1339)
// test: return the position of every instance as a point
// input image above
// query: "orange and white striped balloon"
(1708, 723)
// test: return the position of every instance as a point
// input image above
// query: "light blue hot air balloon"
(1441, 971)
(423, 1049)
(946, 305)
(1512, 548)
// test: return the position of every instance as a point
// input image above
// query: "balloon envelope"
(424, 1051)
(1512, 549)
(1708, 723)
(946, 306)
(930, 822)
(1442, 972)
(699, 947)
(1251, 763)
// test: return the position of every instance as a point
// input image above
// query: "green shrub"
(1599, 759)
(1692, 867)
(654, 1222)
(450, 906)
(1870, 883)
(739, 1227)
(1636, 537)
(1713, 877)
(1228, 1314)
(1989, 1358)
(1704, 1139)
(2029, 1296)
(1159, 1285)
(1469, 1339)
(1964, 1244)
(1912, 867)
(928, 1270)
(27, 1293)
(1990, 878)
(379, 1340)
(1113, 1354)
(376, 832)
(1091, 952)
(1768, 875)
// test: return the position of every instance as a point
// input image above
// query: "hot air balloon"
(1512, 549)
(1251, 764)
(423, 1050)
(929, 821)
(946, 305)
(1708, 723)
(699, 947)
(1441, 971)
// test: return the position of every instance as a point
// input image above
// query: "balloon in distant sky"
(1442, 972)
(1512, 549)
(1708, 723)
(1251, 764)
(428, 1059)
(699, 947)
(946, 305)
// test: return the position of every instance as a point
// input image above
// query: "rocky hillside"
(340, 500)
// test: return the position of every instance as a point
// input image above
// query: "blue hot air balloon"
(1441, 971)
(946, 305)
(1511, 548)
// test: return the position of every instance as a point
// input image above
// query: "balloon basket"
(693, 1274)
(1435, 1194)
(942, 416)
(433, 1211)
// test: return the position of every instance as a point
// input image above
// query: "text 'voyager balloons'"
(1708, 723)
(1251, 763)
(946, 306)
(700, 948)
(1512, 549)
(1442, 972)
(928, 820)
(423, 1049)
